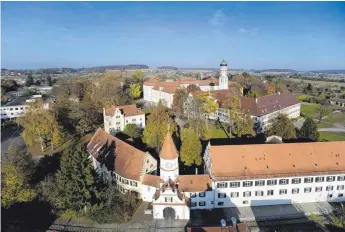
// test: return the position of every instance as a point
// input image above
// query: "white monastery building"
(117, 117)
(155, 91)
(235, 175)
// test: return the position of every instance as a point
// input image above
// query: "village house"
(117, 117)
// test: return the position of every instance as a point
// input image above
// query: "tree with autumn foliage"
(39, 125)
(233, 104)
(283, 127)
(243, 126)
(135, 90)
(180, 97)
(157, 126)
(16, 172)
(190, 148)
(271, 88)
(209, 104)
(192, 88)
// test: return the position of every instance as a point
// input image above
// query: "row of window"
(201, 203)
(220, 203)
(281, 181)
(11, 109)
(126, 182)
(202, 194)
(11, 114)
(281, 192)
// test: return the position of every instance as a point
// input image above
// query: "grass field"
(303, 97)
(35, 150)
(309, 109)
(217, 133)
(336, 118)
(318, 83)
(331, 136)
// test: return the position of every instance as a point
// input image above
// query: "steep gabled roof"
(127, 110)
(129, 160)
(268, 104)
(169, 150)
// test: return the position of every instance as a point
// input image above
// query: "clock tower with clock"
(169, 160)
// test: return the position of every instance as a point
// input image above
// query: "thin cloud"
(251, 32)
(87, 5)
(63, 29)
(218, 18)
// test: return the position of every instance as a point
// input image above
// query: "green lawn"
(35, 149)
(303, 97)
(323, 125)
(318, 83)
(331, 136)
(309, 109)
(335, 118)
(217, 132)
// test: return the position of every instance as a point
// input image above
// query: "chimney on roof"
(223, 224)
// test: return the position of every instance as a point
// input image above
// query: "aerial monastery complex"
(234, 175)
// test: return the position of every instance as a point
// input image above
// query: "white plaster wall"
(291, 111)
(167, 173)
(17, 111)
(150, 164)
(138, 120)
(277, 198)
(120, 181)
(208, 199)
(181, 211)
(147, 192)
(147, 92)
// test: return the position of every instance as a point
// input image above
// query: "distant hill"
(272, 70)
(340, 71)
(75, 70)
(168, 67)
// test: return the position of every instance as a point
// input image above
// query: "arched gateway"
(169, 213)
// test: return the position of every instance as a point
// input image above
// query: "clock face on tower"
(168, 165)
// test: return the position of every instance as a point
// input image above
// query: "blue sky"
(258, 35)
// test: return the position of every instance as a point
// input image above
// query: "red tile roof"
(234, 162)
(268, 104)
(151, 180)
(194, 183)
(129, 161)
(168, 150)
(127, 110)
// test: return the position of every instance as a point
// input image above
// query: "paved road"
(336, 130)
(11, 135)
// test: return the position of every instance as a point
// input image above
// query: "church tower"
(169, 160)
(223, 78)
